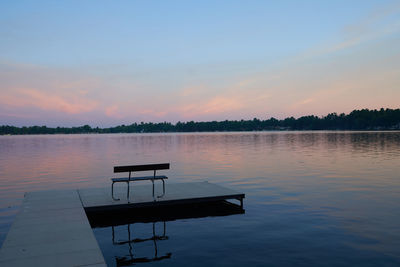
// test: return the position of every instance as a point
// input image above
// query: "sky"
(107, 63)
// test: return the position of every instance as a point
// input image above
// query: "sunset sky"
(106, 63)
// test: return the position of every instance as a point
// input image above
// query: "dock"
(52, 228)
(141, 195)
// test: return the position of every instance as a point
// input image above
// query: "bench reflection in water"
(157, 217)
(123, 261)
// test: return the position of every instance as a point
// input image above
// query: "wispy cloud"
(371, 20)
(375, 25)
(44, 101)
(113, 112)
(214, 106)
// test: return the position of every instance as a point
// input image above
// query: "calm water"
(312, 198)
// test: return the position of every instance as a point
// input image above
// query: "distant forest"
(365, 119)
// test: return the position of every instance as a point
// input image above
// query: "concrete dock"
(52, 228)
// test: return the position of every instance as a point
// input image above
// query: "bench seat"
(143, 178)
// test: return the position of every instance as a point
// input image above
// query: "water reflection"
(131, 259)
(126, 241)
(342, 187)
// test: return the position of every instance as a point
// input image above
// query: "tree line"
(365, 119)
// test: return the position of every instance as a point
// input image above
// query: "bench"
(139, 168)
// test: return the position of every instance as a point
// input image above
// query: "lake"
(312, 198)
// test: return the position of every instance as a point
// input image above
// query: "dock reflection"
(158, 218)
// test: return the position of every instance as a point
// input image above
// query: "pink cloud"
(222, 104)
(113, 112)
(215, 105)
(34, 98)
(154, 113)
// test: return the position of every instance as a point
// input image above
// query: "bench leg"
(164, 229)
(153, 187)
(127, 193)
(113, 234)
(112, 192)
(163, 187)
(154, 240)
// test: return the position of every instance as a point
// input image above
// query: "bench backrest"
(138, 168)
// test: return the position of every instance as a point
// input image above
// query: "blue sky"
(105, 63)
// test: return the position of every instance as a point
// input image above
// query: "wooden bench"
(139, 168)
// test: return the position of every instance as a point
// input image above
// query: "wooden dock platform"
(141, 195)
(52, 228)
